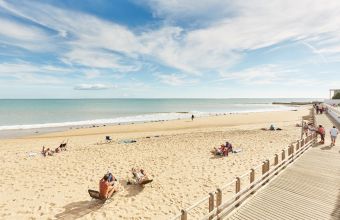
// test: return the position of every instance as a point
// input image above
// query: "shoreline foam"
(10, 131)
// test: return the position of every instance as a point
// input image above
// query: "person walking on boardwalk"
(334, 133)
(321, 131)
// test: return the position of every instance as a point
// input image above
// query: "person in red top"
(106, 188)
(321, 131)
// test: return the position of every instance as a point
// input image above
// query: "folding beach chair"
(94, 194)
(108, 139)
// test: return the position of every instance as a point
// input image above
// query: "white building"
(333, 92)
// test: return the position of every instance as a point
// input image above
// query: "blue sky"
(180, 49)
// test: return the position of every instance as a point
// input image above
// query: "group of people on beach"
(223, 150)
(319, 109)
(49, 152)
(109, 184)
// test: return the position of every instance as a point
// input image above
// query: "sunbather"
(57, 150)
(271, 128)
(221, 151)
(217, 151)
(106, 188)
(139, 175)
(46, 152)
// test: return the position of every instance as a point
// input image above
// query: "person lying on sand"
(271, 128)
(139, 175)
(57, 150)
(107, 188)
(223, 150)
(220, 151)
(46, 152)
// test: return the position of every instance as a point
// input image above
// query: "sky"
(169, 49)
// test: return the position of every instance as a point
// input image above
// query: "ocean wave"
(129, 119)
(137, 118)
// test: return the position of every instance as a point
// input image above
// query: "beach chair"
(95, 195)
(108, 139)
(145, 182)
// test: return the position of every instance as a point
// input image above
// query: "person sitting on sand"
(111, 177)
(62, 146)
(106, 188)
(46, 152)
(139, 175)
(229, 147)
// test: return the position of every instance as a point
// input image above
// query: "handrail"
(228, 184)
(270, 168)
(197, 203)
(246, 174)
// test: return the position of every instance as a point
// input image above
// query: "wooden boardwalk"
(308, 189)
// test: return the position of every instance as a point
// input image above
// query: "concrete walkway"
(308, 189)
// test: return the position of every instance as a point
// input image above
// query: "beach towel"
(127, 141)
(238, 150)
(32, 154)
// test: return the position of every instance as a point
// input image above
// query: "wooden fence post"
(267, 166)
(184, 215)
(276, 160)
(263, 168)
(211, 203)
(292, 149)
(237, 187)
(218, 199)
(252, 176)
(283, 155)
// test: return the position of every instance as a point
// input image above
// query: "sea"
(22, 116)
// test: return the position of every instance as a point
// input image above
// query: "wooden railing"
(248, 183)
(334, 112)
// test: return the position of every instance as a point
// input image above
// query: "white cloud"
(22, 67)
(252, 25)
(230, 29)
(92, 74)
(20, 35)
(175, 79)
(274, 75)
(97, 86)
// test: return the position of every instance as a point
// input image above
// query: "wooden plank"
(309, 189)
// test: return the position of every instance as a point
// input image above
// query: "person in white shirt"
(334, 133)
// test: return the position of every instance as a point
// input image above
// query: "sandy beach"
(176, 154)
